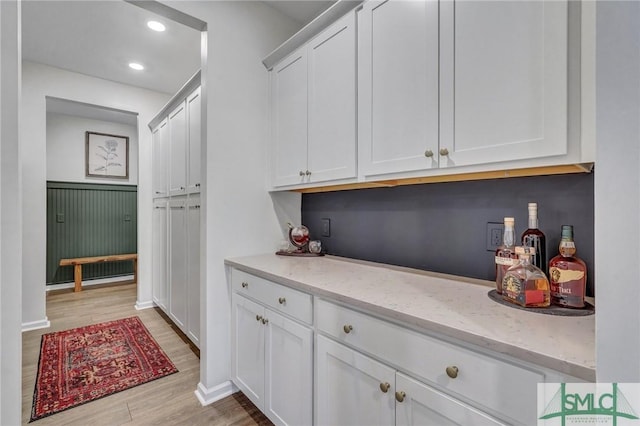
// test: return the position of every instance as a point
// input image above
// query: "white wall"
(10, 217)
(617, 191)
(66, 148)
(39, 81)
(238, 214)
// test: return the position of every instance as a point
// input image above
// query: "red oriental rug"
(83, 364)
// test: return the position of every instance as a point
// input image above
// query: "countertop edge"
(514, 351)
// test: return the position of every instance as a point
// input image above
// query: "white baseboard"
(209, 396)
(88, 283)
(35, 325)
(144, 305)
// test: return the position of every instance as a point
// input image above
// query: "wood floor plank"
(167, 401)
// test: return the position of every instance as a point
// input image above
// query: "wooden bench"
(77, 263)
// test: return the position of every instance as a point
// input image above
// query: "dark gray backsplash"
(442, 227)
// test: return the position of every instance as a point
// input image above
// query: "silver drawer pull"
(245, 284)
(282, 300)
(348, 328)
(259, 317)
(265, 320)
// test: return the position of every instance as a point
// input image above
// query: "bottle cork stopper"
(509, 221)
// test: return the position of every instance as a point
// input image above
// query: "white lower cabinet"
(423, 405)
(364, 369)
(272, 355)
(160, 253)
(348, 387)
(353, 389)
(176, 262)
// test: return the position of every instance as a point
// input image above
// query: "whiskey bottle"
(525, 284)
(505, 254)
(534, 238)
(567, 273)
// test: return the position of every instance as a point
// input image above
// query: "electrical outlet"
(494, 235)
(326, 227)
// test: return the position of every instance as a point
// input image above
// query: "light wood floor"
(166, 401)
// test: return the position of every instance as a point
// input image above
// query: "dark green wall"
(90, 220)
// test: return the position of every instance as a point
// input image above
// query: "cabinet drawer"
(480, 378)
(283, 299)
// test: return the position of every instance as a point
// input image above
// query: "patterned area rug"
(83, 364)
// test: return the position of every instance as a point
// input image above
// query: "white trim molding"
(144, 305)
(209, 396)
(87, 283)
(36, 325)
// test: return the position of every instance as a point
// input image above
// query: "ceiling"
(100, 38)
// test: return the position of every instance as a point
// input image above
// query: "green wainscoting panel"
(90, 220)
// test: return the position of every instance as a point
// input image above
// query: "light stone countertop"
(453, 306)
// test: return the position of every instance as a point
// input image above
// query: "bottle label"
(505, 261)
(567, 244)
(512, 287)
(559, 276)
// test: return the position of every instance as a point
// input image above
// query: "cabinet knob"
(182, 188)
(348, 328)
(444, 151)
(308, 173)
(265, 320)
(158, 192)
(197, 185)
(428, 153)
(384, 387)
(258, 317)
(400, 396)
(301, 173)
(245, 284)
(282, 300)
(452, 371)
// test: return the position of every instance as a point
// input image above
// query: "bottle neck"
(567, 247)
(533, 221)
(509, 236)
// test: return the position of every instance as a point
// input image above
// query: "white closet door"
(178, 262)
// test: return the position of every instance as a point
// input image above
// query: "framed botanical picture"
(107, 155)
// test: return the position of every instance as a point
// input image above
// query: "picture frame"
(106, 155)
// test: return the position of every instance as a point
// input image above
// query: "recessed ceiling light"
(136, 66)
(156, 26)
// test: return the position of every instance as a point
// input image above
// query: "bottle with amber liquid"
(535, 239)
(505, 254)
(567, 273)
(525, 284)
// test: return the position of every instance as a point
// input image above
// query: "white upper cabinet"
(159, 148)
(503, 80)
(332, 102)
(178, 150)
(398, 86)
(314, 109)
(289, 120)
(194, 109)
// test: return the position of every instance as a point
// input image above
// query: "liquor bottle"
(568, 273)
(505, 254)
(525, 284)
(534, 238)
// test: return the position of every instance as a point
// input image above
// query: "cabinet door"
(398, 86)
(289, 371)
(423, 405)
(348, 387)
(178, 262)
(289, 120)
(159, 149)
(503, 80)
(160, 259)
(247, 348)
(193, 270)
(178, 150)
(194, 103)
(332, 102)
